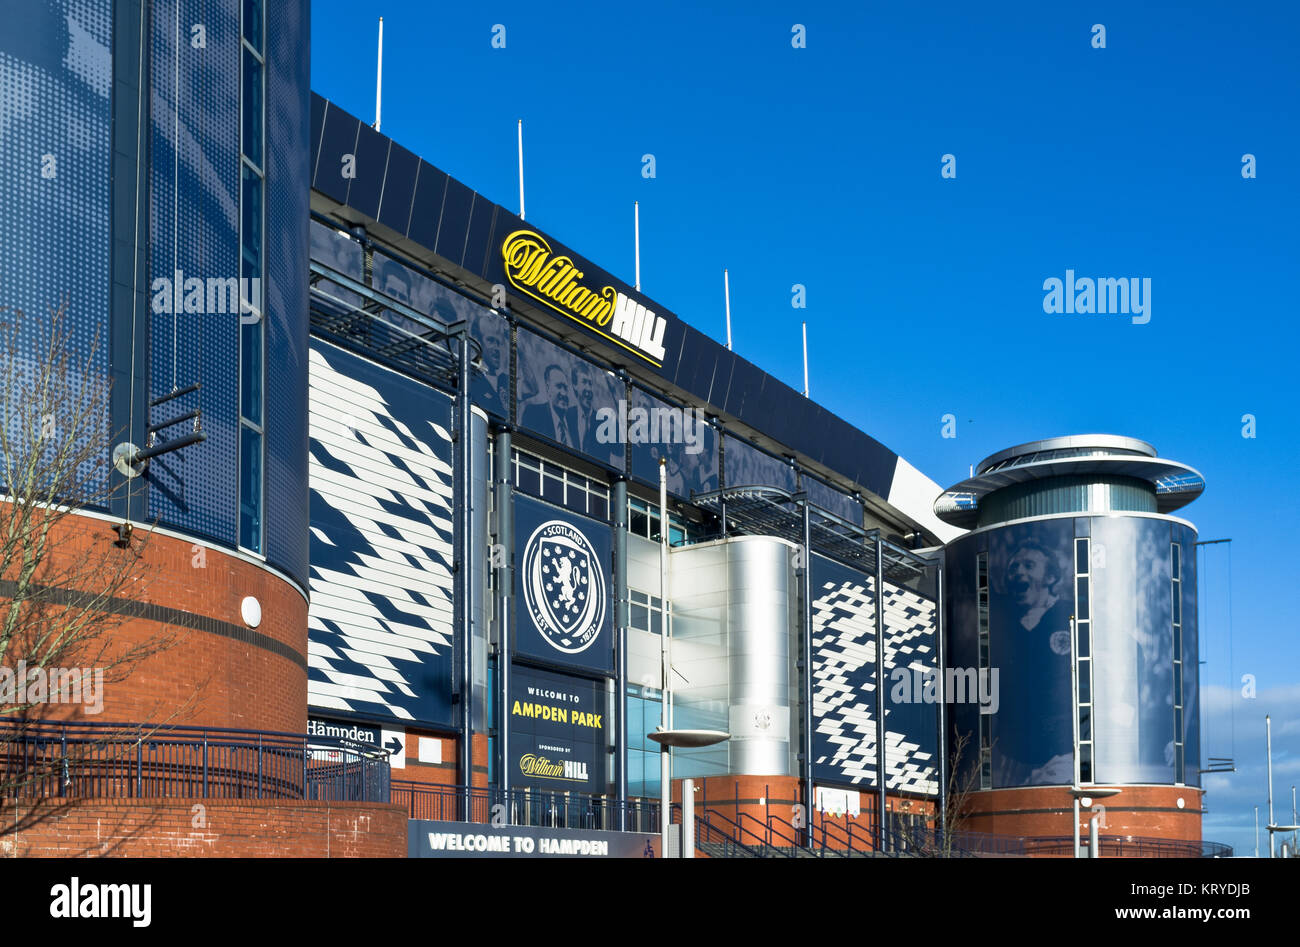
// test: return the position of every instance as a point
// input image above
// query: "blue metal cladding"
(195, 202)
(380, 621)
(55, 146)
(194, 226)
(288, 169)
(844, 682)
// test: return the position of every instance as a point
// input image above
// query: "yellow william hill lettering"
(554, 280)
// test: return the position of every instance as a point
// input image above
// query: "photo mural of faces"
(562, 397)
(748, 466)
(833, 501)
(1031, 600)
(681, 435)
(489, 388)
(340, 253)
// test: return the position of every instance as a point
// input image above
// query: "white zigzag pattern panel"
(380, 620)
(844, 657)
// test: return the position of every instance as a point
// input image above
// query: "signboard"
(562, 587)
(559, 282)
(427, 839)
(363, 735)
(559, 732)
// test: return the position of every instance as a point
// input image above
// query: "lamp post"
(665, 735)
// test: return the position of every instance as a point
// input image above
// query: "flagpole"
(521, 169)
(726, 292)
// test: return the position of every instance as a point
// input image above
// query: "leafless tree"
(67, 582)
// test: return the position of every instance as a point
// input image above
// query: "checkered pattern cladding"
(844, 695)
(381, 542)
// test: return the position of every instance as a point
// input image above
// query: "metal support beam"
(805, 591)
(503, 485)
(942, 821)
(618, 499)
(880, 692)
(463, 552)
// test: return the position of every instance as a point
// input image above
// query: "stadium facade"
(423, 486)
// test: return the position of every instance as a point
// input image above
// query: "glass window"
(1085, 723)
(250, 488)
(1085, 681)
(250, 371)
(1085, 762)
(598, 506)
(1084, 638)
(1081, 599)
(1081, 556)
(251, 237)
(252, 108)
(639, 523)
(253, 23)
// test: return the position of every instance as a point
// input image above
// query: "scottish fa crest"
(564, 586)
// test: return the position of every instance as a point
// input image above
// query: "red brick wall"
(1140, 811)
(204, 678)
(220, 829)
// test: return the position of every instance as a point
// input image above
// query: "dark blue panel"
(318, 106)
(371, 163)
(426, 209)
(559, 732)
(399, 188)
(480, 232)
(746, 382)
(287, 243)
(455, 221)
(562, 587)
(338, 139)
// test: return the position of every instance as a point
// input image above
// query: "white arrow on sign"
(394, 741)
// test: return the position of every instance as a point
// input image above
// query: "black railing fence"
(532, 807)
(48, 759)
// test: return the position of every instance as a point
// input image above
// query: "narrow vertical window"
(252, 278)
(1083, 657)
(1176, 611)
(986, 721)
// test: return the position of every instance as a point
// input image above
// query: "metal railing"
(49, 759)
(532, 807)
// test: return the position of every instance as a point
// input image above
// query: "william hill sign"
(555, 281)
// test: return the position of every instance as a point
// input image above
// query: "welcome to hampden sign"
(428, 839)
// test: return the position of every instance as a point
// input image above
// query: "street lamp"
(665, 735)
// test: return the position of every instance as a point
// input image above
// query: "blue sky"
(821, 166)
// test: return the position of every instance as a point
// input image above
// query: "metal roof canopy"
(771, 511)
(430, 352)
